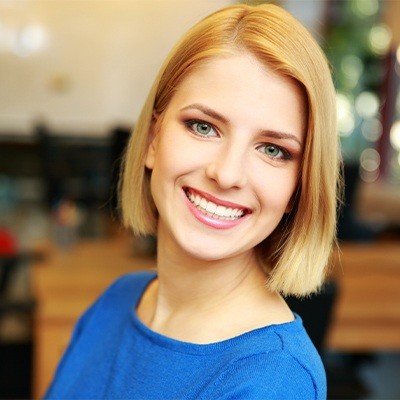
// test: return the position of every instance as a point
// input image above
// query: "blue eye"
(275, 152)
(201, 128)
(272, 151)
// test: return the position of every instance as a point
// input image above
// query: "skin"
(233, 134)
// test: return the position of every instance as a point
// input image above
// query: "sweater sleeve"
(274, 376)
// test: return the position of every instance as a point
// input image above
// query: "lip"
(210, 221)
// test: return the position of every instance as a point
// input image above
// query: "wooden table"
(367, 312)
(366, 315)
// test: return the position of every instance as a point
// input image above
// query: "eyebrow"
(208, 111)
(264, 132)
(281, 135)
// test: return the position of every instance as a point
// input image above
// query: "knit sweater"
(113, 355)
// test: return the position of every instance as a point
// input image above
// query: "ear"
(153, 142)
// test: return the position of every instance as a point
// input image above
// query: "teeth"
(220, 211)
(214, 210)
(211, 207)
(227, 212)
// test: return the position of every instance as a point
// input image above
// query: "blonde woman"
(234, 166)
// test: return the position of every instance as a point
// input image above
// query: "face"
(225, 158)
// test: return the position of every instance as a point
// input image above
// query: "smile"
(213, 210)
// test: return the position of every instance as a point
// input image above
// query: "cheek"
(179, 154)
(169, 161)
(277, 191)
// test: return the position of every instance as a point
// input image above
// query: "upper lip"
(216, 200)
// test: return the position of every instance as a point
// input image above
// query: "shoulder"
(98, 336)
(117, 301)
(278, 362)
(272, 375)
(132, 285)
(127, 290)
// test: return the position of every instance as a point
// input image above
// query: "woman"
(233, 164)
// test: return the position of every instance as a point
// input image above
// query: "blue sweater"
(113, 355)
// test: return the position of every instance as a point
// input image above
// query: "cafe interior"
(73, 78)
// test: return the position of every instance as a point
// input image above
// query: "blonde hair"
(296, 254)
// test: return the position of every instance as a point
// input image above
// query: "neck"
(202, 301)
(187, 282)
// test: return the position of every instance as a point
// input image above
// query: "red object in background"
(8, 244)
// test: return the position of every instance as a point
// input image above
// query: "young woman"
(233, 164)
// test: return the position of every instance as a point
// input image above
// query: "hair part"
(295, 256)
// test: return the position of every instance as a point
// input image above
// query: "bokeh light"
(29, 39)
(380, 38)
(395, 135)
(365, 8)
(367, 104)
(352, 67)
(345, 115)
(371, 129)
(370, 161)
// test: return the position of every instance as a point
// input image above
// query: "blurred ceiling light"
(367, 104)
(380, 37)
(352, 67)
(29, 40)
(395, 135)
(345, 115)
(371, 129)
(365, 8)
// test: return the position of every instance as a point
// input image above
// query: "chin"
(213, 254)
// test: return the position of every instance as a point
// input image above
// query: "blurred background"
(73, 77)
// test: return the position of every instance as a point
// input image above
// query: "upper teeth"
(214, 210)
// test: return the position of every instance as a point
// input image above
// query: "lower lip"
(209, 221)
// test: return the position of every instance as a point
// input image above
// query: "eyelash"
(286, 155)
(190, 125)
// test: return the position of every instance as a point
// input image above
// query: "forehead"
(241, 87)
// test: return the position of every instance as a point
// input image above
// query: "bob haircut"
(295, 256)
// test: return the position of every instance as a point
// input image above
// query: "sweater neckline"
(197, 348)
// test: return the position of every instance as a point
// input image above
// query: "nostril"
(227, 168)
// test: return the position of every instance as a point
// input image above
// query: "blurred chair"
(119, 140)
(316, 312)
(349, 227)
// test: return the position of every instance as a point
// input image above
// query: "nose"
(228, 167)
